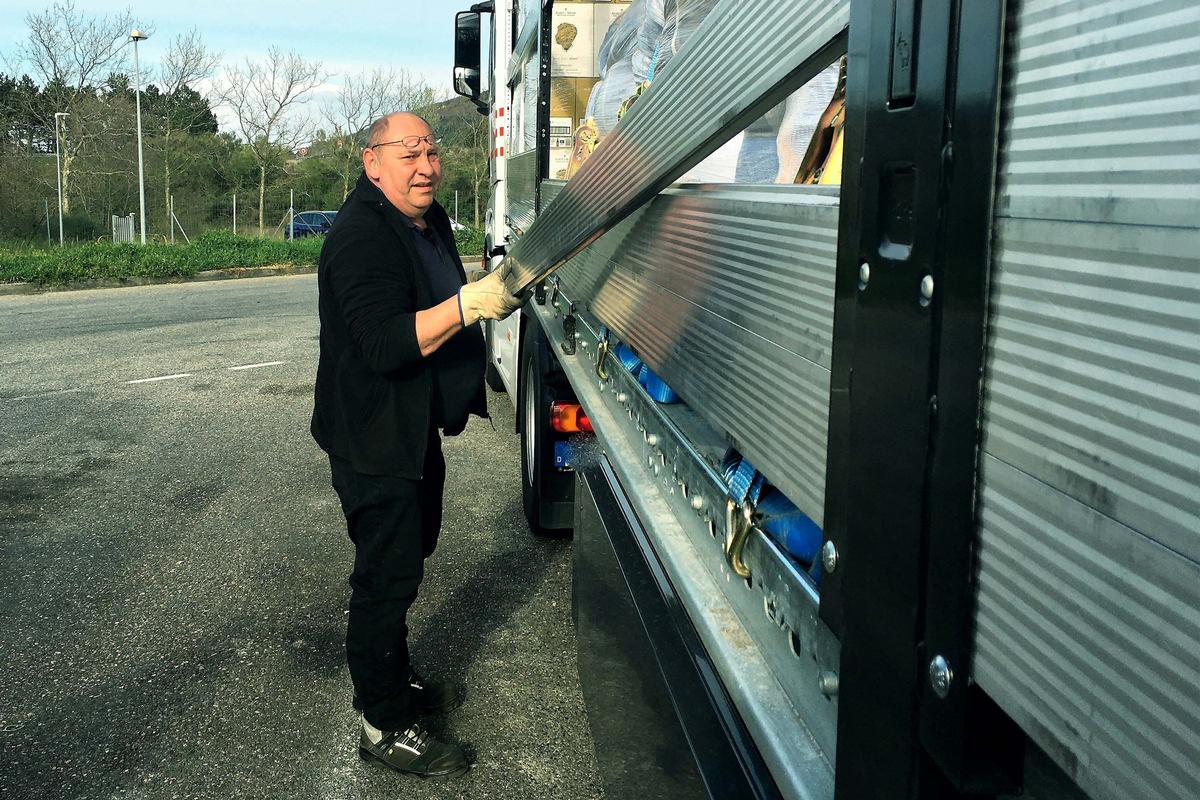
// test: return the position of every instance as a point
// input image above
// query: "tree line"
(72, 112)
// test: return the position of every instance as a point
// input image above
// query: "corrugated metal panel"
(522, 180)
(1104, 676)
(1089, 558)
(726, 292)
(747, 56)
(1103, 108)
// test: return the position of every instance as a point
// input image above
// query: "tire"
(491, 375)
(544, 489)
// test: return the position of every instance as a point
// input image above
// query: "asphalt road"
(174, 562)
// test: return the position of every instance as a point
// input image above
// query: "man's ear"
(371, 164)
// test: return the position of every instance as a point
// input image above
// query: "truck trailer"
(862, 358)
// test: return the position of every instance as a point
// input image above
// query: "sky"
(347, 36)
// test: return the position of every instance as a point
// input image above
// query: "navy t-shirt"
(458, 363)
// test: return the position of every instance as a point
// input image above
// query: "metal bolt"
(827, 683)
(651, 439)
(698, 502)
(864, 273)
(622, 397)
(927, 287)
(829, 557)
(940, 676)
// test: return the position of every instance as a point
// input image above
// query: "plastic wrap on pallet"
(647, 39)
(621, 37)
(681, 18)
(801, 113)
(609, 93)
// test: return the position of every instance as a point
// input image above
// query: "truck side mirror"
(467, 40)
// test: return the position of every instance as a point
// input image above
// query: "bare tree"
(72, 55)
(264, 97)
(187, 62)
(361, 100)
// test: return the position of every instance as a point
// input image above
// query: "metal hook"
(602, 358)
(737, 531)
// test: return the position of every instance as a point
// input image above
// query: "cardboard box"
(577, 30)
(568, 101)
(559, 158)
(572, 49)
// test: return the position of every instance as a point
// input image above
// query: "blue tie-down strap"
(628, 360)
(654, 386)
(789, 526)
(739, 475)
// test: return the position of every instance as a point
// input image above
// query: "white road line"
(256, 366)
(43, 394)
(162, 378)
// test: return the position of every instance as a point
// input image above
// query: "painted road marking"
(162, 378)
(256, 366)
(43, 394)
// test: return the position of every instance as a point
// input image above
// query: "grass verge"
(25, 263)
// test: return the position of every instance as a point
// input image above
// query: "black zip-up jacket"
(373, 387)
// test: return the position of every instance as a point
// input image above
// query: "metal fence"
(123, 228)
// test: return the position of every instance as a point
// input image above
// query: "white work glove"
(486, 298)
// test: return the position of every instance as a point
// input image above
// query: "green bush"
(214, 250)
(24, 262)
(469, 242)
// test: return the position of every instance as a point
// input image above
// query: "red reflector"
(568, 418)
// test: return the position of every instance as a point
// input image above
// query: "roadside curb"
(140, 280)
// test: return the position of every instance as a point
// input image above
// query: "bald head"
(378, 132)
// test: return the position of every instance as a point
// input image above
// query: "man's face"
(408, 176)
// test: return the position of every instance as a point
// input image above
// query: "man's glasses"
(411, 142)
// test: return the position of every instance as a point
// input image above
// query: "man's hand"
(486, 298)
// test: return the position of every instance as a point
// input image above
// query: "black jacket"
(372, 404)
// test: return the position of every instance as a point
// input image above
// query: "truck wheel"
(535, 434)
(491, 375)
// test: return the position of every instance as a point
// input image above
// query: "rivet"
(864, 274)
(622, 397)
(698, 502)
(940, 676)
(927, 287)
(829, 557)
(827, 683)
(651, 439)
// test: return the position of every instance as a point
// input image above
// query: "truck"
(862, 359)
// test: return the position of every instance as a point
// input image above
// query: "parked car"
(310, 223)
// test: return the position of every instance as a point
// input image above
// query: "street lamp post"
(58, 167)
(138, 36)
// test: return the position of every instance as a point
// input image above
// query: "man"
(400, 358)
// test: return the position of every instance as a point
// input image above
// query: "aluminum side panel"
(521, 188)
(1089, 554)
(727, 294)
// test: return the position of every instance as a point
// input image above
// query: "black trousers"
(394, 524)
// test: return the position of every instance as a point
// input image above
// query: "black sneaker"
(414, 752)
(428, 697)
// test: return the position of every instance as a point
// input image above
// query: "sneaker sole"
(374, 760)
